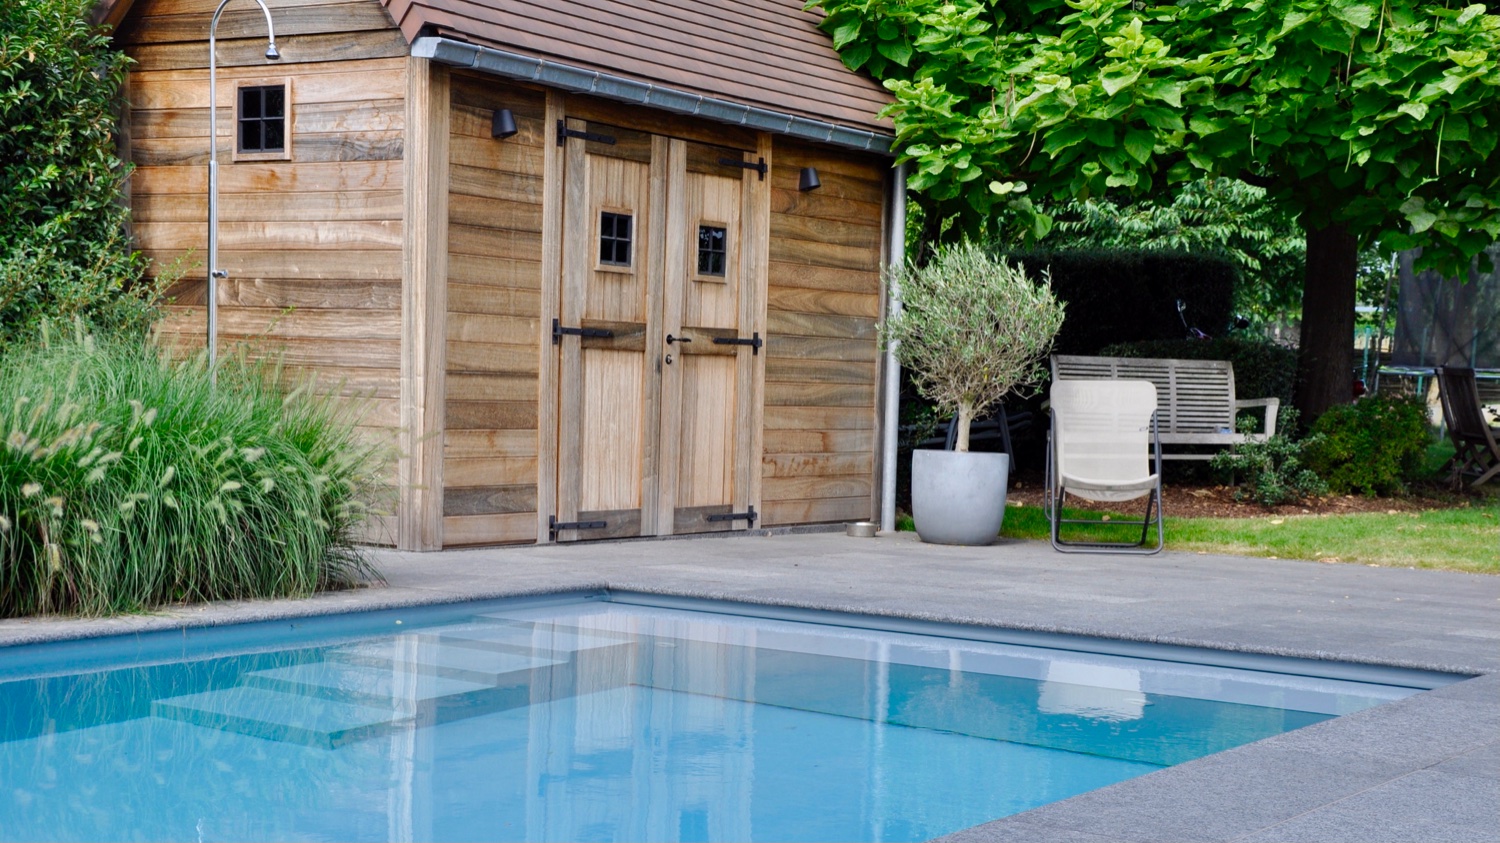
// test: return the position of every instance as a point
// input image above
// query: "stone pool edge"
(1424, 768)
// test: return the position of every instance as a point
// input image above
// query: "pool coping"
(1423, 768)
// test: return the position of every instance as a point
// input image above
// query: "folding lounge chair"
(1104, 446)
(1476, 453)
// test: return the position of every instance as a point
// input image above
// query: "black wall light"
(502, 124)
(809, 179)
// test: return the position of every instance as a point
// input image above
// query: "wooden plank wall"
(494, 310)
(822, 352)
(313, 245)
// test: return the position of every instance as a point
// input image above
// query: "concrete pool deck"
(1426, 768)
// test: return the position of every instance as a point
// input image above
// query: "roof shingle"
(764, 53)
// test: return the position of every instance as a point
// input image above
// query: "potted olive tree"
(974, 329)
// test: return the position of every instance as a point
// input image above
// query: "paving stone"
(1218, 798)
(1020, 830)
(1423, 807)
(1483, 763)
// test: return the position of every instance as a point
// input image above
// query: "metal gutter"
(577, 80)
(892, 420)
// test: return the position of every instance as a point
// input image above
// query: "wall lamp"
(809, 179)
(502, 124)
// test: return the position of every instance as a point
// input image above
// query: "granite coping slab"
(1425, 767)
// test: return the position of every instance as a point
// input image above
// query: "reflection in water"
(611, 723)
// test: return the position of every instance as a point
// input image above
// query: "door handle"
(671, 339)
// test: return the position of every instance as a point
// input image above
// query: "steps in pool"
(365, 690)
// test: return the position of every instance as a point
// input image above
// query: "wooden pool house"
(608, 268)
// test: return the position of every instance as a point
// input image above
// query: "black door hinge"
(759, 166)
(755, 342)
(563, 133)
(554, 525)
(558, 332)
(734, 516)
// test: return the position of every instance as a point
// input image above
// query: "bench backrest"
(1193, 396)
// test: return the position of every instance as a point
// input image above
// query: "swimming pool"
(585, 718)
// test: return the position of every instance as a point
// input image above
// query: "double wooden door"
(658, 334)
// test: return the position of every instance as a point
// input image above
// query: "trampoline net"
(1444, 322)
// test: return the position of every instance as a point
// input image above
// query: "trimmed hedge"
(1374, 446)
(1131, 296)
(1262, 369)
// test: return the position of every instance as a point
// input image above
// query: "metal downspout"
(892, 417)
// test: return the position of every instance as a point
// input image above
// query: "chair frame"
(1475, 449)
(1055, 497)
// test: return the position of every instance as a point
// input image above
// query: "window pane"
(712, 249)
(614, 238)
(275, 135)
(249, 135)
(249, 103)
(275, 101)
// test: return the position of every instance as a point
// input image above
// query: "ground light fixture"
(214, 272)
(808, 180)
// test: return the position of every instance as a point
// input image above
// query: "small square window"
(713, 243)
(262, 118)
(614, 239)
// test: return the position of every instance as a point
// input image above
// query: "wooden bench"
(1195, 398)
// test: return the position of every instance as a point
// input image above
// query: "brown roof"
(767, 54)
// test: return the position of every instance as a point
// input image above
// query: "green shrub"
(1262, 369)
(1116, 296)
(1272, 468)
(128, 481)
(1374, 446)
(65, 253)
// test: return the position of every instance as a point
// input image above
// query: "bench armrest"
(1272, 405)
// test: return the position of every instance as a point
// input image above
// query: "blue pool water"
(595, 720)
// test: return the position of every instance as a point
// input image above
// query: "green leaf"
(854, 57)
(845, 31)
(1139, 144)
(1115, 80)
(1062, 137)
(1470, 12)
(1416, 110)
(1101, 133)
(1293, 20)
(1206, 125)
(1358, 15)
(899, 52)
(1416, 213)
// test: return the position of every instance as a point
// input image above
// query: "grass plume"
(129, 481)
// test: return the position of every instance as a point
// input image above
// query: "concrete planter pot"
(958, 497)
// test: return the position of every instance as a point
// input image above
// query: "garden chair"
(1475, 452)
(1104, 446)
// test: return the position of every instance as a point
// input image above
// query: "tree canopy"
(1368, 119)
(1225, 216)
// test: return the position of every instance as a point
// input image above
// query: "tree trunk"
(965, 420)
(1325, 362)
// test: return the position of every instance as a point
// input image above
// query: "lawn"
(1461, 539)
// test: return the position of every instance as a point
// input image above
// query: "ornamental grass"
(129, 481)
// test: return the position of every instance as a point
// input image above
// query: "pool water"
(595, 720)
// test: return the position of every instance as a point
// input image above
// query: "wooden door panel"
(704, 430)
(613, 395)
(712, 301)
(606, 434)
(705, 474)
(621, 187)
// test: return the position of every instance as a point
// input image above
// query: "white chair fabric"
(1104, 447)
